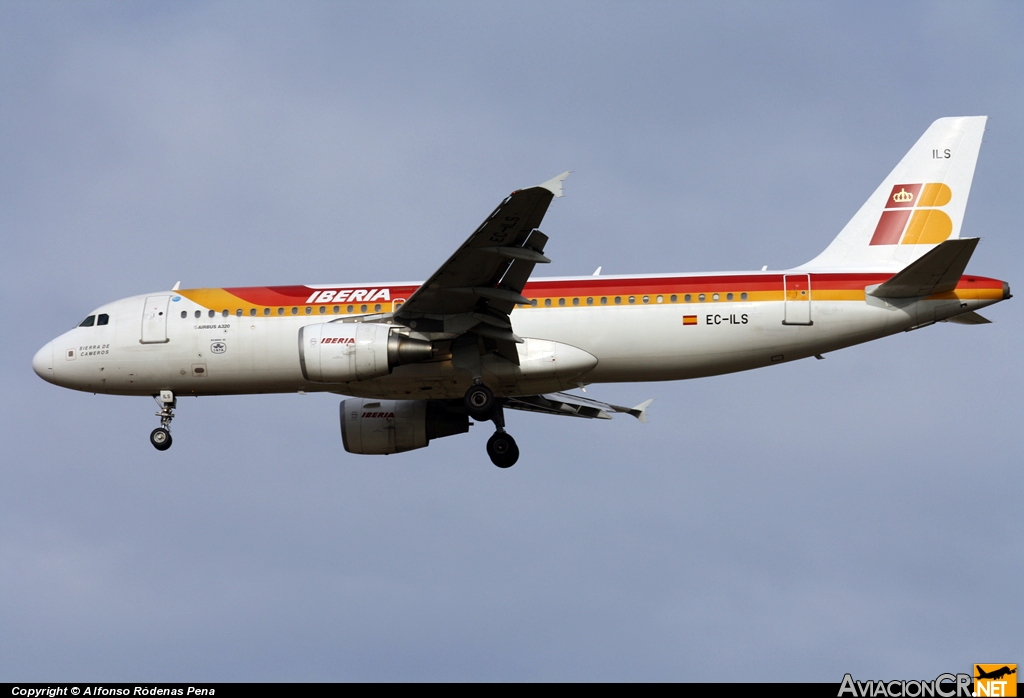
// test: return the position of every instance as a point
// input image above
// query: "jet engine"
(375, 427)
(341, 352)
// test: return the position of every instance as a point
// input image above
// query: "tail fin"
(919, 205)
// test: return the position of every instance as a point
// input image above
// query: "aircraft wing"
(479, 285)
(574, 406)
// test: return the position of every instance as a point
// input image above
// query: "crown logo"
(902, 196)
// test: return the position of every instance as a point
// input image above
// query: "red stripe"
(664, 285)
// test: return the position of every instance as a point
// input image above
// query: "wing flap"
(566, 405)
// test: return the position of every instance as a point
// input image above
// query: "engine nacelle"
(375, 427)
(342, 352)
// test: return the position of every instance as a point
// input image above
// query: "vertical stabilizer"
(918, 206)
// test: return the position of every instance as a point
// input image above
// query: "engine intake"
(342, 352)
(375, 427)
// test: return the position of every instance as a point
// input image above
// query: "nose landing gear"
(161, 436)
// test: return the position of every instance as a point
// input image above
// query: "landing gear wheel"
(480, 403)
(160, 438)
(502, 449)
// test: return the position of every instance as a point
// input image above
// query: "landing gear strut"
(161, 436)
(501, 447)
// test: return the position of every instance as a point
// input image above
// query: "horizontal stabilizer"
(937, 271)
(970, 318)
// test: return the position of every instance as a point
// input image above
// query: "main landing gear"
(161, 436)
(483, 406)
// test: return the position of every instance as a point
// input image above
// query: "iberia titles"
(350, 295)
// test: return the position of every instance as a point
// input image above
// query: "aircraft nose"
(42, 363)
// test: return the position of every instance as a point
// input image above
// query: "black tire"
(502, 449)
(480, 403)
(160, 438)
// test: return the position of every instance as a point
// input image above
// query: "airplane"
(418, 361)
(995, 674)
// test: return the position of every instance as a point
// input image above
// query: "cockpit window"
(89, 321)
(102, 319)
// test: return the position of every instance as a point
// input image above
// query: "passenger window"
(280, 311)
(547, 302)
(687, 298)
(715, 297)
(323, 309)
(646, 299)
(238, 312)
(309, 310)
(728, 297)
(660, 299)
(350, 309)
(199, 314)
(743, 296)
(590, 301)
(252, 312)
(632, 299)
(362, 308)
(674, 298)
(184, 314)
(266, 311)
(295, 311)
(561, 301)
(102, 319)
(604, 300)
(225, 313)
(618, 300)
(376, 308)
(575, 301)
(534, 302)
(337, 309)
(701, 298)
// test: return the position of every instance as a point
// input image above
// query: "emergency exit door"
(154, 320)
(798, 299)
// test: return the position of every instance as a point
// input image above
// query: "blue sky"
(854, 514)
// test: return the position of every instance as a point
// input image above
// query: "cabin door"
(798, 299)
(154, 320)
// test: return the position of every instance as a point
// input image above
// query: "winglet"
(177, 285)
(640, 411)
(555, 185)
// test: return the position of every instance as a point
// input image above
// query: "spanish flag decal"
(689, 319)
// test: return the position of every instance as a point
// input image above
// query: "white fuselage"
(200, 350)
